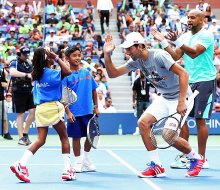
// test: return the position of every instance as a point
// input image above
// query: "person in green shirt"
(197, 48)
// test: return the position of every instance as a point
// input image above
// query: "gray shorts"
(204, 101)
(5, 110)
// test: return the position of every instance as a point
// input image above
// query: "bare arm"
(192, 52)
(175, 54)
(65, 69)
(95, 101)
(183, 83)
(112, 71)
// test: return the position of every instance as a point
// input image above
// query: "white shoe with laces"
(77, 166)
(88, 166)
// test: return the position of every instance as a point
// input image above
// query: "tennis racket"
(68, 96)
(165, 131)
(93, 132)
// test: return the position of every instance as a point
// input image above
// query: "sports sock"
(154, 156)
(66, 160)
(26, 157)
(85, 155)
(194, 154)
(78, 159)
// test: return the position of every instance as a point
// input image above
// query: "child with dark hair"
(82, 111)
(49, 111)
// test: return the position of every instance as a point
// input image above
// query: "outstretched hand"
(109, 45)
(172, 36)
(49, 53)
(159, 36)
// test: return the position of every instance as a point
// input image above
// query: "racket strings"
(94, 133)
(163, 137)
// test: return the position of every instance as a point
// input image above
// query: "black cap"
(25, 50)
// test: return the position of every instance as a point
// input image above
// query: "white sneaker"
(206, 164)
(20, 171)
(68, 175)
(77, 166)
(88, 166)
(137, 132)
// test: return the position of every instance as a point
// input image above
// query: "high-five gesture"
(109, 45)
(159, 36)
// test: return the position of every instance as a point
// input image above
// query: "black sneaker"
(27, 140)
(7, 136)
(22, 141)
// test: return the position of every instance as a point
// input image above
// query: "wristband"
(178, 43)
(26, 75)
(95, 106)
(56, 58)
(164, 43)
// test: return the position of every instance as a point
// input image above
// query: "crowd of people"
(74, 48)
(22, 28)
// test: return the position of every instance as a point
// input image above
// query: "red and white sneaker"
(20, 171)
(195, 167)
(69, 175)
(153, 170)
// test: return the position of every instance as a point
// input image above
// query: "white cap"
(214, 20)
(76, 20)
(131, 39)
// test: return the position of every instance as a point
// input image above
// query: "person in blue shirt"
(49, 111)
(83, 84)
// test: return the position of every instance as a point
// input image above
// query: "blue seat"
(50, 28)
(3, 29)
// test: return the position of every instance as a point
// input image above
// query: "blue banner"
(109, 123)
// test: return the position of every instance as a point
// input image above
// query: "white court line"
(123, 162)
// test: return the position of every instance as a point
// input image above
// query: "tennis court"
(118, 161)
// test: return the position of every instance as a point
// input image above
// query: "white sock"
(26, 157)
(78, 159)
(66, 160)
(85, 155)
(154, 156)
(194, 154)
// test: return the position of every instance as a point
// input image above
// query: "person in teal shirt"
(197, 47)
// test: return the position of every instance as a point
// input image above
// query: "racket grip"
(192, 97)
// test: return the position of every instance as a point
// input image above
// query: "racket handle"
(192, 97)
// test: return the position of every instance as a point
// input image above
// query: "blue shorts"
(204, 101)
(78, 128)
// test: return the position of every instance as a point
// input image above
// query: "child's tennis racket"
(93, 132)
(68, 96)
(165, 131)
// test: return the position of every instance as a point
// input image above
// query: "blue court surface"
(118, 161)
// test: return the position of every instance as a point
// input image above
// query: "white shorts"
(162, 107)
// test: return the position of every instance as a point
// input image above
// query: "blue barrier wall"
(109, 124)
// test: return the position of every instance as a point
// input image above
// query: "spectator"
(63, 9)
(63, 34)
(104, 8)
(140, 96)
(108, 107)
(101, 86)
(52, 21)
(25, 5)
(63, 23)
(50, 7)
(20, 71)
(12, 25)
(3, 85)
(101, 99)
